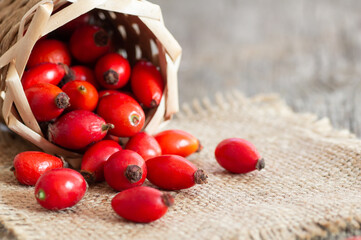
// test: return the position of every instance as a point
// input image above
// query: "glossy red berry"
(125, 169)
(44, 73)
(122, 111)
(178, 142)
(92, 164)
(77, 129)
(172, 172)
(83, 95)
(112, 71)
(47, 101)
(145, 145)
(142, 204)
(147, 84)
(60, 188)
(29, 166)
(238, 156)
(49, 50)
(83, 73)
(88, 43)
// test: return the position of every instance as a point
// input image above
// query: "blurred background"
(309, 52)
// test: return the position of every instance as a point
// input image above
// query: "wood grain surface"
(307, 51)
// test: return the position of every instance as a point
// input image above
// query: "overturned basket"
(137, 23)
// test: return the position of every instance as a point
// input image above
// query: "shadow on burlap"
(310, 187)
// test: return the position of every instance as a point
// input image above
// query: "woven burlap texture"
(310, 186)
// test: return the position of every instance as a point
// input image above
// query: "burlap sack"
(309, 188)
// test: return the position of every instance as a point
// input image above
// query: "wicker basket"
(137, 23)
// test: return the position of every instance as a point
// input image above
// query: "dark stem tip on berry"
(68, 77)
(153, 103)
(167, 199)
(200, 177)
(260, 164)
(82, 88)
(101, 38)
(200, 146)
(88, 176)
(111, 77)
(133, 173)
(65, 163)
(107, 126)
(62, 101)
(12, 169)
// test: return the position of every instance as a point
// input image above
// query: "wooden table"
(309, 52)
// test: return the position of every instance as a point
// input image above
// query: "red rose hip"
(147, 84)
(125, 169)
(122, 111)
(142, 204)
(83, 95)
(145, 145)
(238, 156)
(77, 129)
(44, 73)
(88, 43)
(92, 164)
(51, 51)
(172, 172)
(47, 101)
(178, 142)
(112, 71)
(60, 188)
(83, 73)
(30, 165)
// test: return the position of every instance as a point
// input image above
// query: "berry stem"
(167, 199)
(111, 77)
(260, 164)
(62, 101)
(133, 173)
(107, 126)
(101, 38)
(200, 177)
(88, 176)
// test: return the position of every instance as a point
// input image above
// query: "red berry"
(145, 145)
(142, 204)
(238, 156)
(83, 95)
(83, 73)
(88, 43)
(44, 73)
(125, 169)
(122, 111)
(92, 164)
(47, 101)
(147, 84)
(178, 142)
(77, 129)
(112, 71)
(172, 172)
(29, 166)
(49, 50)
(60, 188)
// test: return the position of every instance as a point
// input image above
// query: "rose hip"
(47, 101)
(142, 204)
(60, 188)
(30, 165)
(172, 172)
(122, 111)
(92, 165)
(145, 145)
(147, 84)
(238, 156)
(83, 95)
(49, 50)
(77, 129)
(112, 71)
(88, 43)
(125, 169)
(83, 73)
(44, 73)
(178, 142)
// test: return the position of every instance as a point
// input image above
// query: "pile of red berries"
(89, 111)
